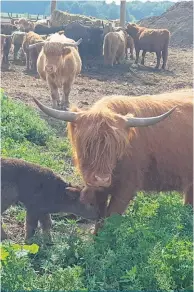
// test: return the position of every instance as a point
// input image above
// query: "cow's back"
(152, 39)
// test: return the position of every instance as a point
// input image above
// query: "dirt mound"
(178, 19)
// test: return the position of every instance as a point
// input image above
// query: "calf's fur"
(42, 192)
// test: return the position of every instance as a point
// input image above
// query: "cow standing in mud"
(114, 48)
(58, 64)
(32, 55)
(150, 40)
(129, 43)
(5, 48)
(123, 145)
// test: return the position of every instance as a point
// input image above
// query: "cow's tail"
(107, 48)
(165, 50)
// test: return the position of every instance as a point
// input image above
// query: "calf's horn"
(60, 115)
(144, 122)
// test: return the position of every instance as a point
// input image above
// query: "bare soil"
(97, 81)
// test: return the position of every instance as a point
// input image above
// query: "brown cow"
(17, 40)
(58, 64)
(32, 55)
(114, 47)
(5, 48)
(42, 192)
(117, 147)
(130, 42)
(150, 40)
(23, 24)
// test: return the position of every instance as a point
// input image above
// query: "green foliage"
(25, 135)
(149, 249)
(18, 274)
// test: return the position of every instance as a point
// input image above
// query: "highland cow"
(42, 192)
(5, 48)
(59, 63)
(114, 47)
(130, 42)
(123, 145)
(17, 40)
(32, 55)
(7, 28)
(24, 24)
(150, 40)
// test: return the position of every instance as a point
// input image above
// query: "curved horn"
(35, 45)
(60, 115)
(144, 122)
(75, 44)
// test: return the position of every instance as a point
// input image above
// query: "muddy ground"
(97, 81)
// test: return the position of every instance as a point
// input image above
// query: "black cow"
(92, 38)
(45, 30)
(8, 28)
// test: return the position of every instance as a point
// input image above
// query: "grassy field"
(149, 248)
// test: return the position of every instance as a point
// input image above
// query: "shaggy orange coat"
(155, 158)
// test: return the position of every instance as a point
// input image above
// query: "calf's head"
(99, 139)
(73, 204)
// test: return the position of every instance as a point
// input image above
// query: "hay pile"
(59, 18)
(178, 19)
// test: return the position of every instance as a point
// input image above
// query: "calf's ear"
(72, 193)
(66, 51)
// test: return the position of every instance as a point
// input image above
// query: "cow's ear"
(72, 193)
(66, 51)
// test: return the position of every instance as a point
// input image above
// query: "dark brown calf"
(42, 192)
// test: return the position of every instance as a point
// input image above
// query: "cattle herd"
(121, 145)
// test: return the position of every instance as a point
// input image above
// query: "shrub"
(150, 248)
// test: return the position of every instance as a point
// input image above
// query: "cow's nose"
(103, 180)
(49, 68)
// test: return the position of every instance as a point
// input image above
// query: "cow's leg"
(188, 198)
(126, 53)
(120, 200)
(27, 60)
(131, 53)
(15, 52)
(137, 56)
(30, 224)
(143, 57)
(101, 201)
(158, 55)
(66, 92)
(46, 224)
(164, 57)
(54, 94)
